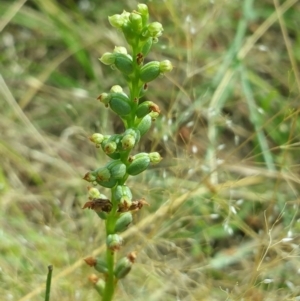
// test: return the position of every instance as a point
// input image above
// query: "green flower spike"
(137, 116)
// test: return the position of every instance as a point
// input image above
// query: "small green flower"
(94, 193)
(136, 22)
(108, 58)
(155, 29)
(165, 66)
(155, 157)
(97, 138)
(114, 242)
(123, 267)
(117, 21)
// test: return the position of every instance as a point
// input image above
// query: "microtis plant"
(137, 117)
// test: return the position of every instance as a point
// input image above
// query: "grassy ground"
(224, 217)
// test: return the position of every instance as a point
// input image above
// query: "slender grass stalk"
(137, 116)
(48, 283)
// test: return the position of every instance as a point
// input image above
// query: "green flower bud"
(94, 193)
(109, 147)
(144, 125)
(124, 63)
(122, 194)
(102, 174)
(114, 242)
(128, 142)
(117, 169)
(155, 29)
(98, 263)
(136, 22)
(97, 138)
(120, 49)
(143, 10)
(104, 98)
(150, 71)
(120, 104)
(145, 108)
(123, 222)
(165, 66)
(117, 20)
(90, 176)
(147, 46)
(155, 157)
(139, 163)
(108, 58)
(117, 89)
(122, 268)
(130, 138)
(153, 115)
(101, 266)
(100, 286)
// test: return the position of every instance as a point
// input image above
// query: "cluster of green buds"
(137, 117)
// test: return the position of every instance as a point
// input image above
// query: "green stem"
(110, 255)
(48, 283)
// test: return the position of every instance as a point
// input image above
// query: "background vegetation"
(224, 217)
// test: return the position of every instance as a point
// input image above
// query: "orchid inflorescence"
(137, 117)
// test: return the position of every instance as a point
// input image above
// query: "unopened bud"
(123, 267)
(155, 29)
(104, 98)
(123, 222)
(139, 163)
(97, 138)
(98, 263)
(114, 242)
(90, 176)
(144, 125)
(117, 169)
(136, 22)
(155, 157)
(99, 284)
(165, 66)
(107, 58)
(109, 147)
(143, 10)
(116, 89)
(146, 107)
(124, 63)
(122, 193)
(94, 193)
(103, 174)
(150, 71)
(117, 21)
(120, 104)
(147, 46)
(130, 138)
